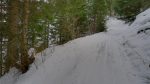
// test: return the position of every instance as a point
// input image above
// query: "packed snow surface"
(119, 56)
(96, 59)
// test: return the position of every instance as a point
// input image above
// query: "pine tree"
(97, 16)
(23, 39)
(128, 9)
(12, 35)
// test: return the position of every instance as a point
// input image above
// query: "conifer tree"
(128, 9)
(97, 16)
(23, 39)
(12, 35)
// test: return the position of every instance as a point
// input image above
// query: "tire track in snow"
(108, 66)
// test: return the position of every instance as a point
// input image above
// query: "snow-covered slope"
(119, 56)
(96, 59)
(137, 44)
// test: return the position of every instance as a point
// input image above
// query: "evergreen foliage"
(128, 9)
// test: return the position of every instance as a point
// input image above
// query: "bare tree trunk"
(93, 24)
(111, 10)
(1, 61)
(109, 4)
(24, 43)
(12, 35)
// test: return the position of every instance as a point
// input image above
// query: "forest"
(37, 24)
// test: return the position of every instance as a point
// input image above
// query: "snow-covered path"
(104, 65)
(96, 59)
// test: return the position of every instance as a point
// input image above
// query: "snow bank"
(90, 60)
(136, 41)
(11, 77)
(96, 59)
(137, 44)
(142, 21)
(14, 75)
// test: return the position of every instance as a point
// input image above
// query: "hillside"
(118, 56)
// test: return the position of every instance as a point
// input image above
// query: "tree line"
(35, 24)
(128, 9)
(26, 24)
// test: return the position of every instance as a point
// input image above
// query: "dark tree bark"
(12, 35)
(24, 42)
